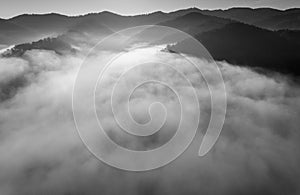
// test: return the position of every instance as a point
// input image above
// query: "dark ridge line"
(146, 14)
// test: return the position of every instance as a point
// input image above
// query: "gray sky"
(10, 8)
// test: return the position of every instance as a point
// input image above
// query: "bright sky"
(10, 8)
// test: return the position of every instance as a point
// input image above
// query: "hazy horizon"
(13, 8)
(45, 13)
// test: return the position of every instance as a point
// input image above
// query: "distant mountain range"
(264, 38)
(26, 28)
(268, 18)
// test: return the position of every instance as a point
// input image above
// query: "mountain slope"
(262, 17)
(28, 28)
(57, 45)
(226, 39)
(247, 45)
(195, 23)
(289, 19)
(11, 33)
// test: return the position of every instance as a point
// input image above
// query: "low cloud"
(41, 152)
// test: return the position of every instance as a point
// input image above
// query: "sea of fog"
(41, 152)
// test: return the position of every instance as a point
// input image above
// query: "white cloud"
(41, 152)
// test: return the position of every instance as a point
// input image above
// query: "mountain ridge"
(232, 35)
(80, 15)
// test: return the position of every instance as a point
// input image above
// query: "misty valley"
(58, 72)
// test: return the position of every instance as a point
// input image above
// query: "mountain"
(250, 46)
(245, 15)
(195, 23)
(243, 36)
(32, 27)
(45, 23)
(289, 19)
(11, 33)
(55, 44)
(268, 18)
(291, 35)
(28, 28)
